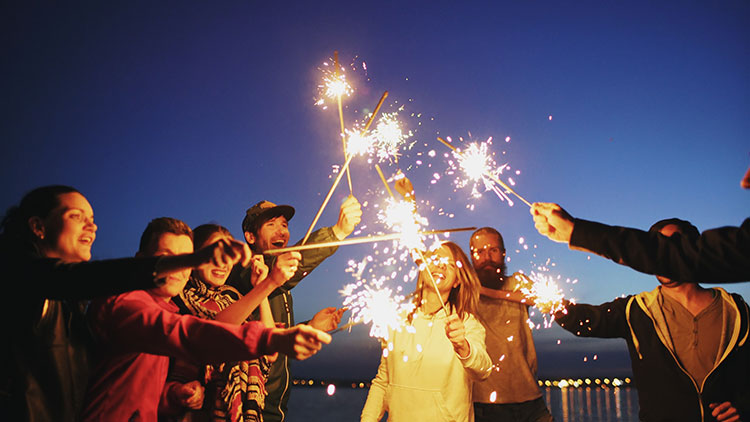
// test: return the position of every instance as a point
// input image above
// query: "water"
(591, 404)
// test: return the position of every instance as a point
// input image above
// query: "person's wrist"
(338, 232)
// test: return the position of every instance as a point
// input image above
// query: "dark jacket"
(719, 255)
(280, 301)
(665, 390)
(44, 356)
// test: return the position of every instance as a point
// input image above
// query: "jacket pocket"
(408, 404)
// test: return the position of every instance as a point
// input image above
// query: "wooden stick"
(377, 167)
(358, 240)
(328, 197)
(375, 112)
(341, 120)
(492, 177)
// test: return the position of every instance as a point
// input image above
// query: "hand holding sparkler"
(350, 215)
(259, 270)
(552, 221)
(327, 319)
(456, 333)
(404, 187)
(299, 342)
(285, 267)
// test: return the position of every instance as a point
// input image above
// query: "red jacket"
(136, 334)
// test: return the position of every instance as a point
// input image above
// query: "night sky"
(623, 112)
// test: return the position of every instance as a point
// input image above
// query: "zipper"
(700, 399)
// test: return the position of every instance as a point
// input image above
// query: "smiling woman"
(45, 243)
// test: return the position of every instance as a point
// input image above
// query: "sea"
(582, 404)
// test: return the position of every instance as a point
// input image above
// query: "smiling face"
(211, 274)
(68, 232)
(169, 244)
(273, 234)
(442, 266)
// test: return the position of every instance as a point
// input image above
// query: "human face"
(69, 231)
(442, 266)
(273, 234)
(487, 256)
(170, 244)
(668, 231)
(214, 275)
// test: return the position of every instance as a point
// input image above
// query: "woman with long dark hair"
(45, 243)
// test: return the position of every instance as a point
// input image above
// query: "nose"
(91, 226)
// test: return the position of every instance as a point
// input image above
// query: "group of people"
(199, 326)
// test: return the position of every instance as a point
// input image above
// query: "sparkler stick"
(344, 168)
(487, 174)
(345, 327)
(375, 112)
(341, 120)
(377, 167)
(358, 240)
(328, 198)
(421, 255)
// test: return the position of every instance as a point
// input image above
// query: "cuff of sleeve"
(586, 234)
(471, 352)
(264, 342)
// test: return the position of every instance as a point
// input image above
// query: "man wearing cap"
(265, 227)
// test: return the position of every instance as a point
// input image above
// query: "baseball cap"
(264, 211)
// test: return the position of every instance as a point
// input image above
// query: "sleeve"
(376, 405)
(131, 324)
(478, 363)
(54, 279)
(719, 255)
(607, 320)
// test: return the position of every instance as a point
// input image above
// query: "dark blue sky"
(198, 110)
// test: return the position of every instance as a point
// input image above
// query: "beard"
(492, 274)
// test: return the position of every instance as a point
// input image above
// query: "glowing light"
(479, 168)
(331, 390)
(401, 216)
(389, 136)
(493, 396)
(377, 306)
(544, 291)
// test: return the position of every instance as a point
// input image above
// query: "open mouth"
(219, 273)
(86, 240)
(278, 244)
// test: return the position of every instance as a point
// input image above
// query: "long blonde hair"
(463, 298)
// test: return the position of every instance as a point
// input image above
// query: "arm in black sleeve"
(607, 320)
(719, 255)
(53, 279)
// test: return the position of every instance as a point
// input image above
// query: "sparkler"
(543, 290)
(338, 88)
(358, 240)
(476, 163)
(345, 167)
(378, 306)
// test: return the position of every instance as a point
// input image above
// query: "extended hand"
(189, 395)
(349, 216)
(299, 342)
(285, 267)
(327, 319)
(724, 412)
(404, 187)
(552, 221)
(223, 253)
(454, 329)
(259, 270)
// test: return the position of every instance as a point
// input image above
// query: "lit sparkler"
(543, 290)
(380, 307)
(401, 216)
(476, 162)
(389, 137)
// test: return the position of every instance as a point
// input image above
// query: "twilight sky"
(197, 110)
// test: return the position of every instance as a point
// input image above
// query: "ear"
(249, 238)
(37, 227)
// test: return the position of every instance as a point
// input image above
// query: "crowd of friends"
(199, 326)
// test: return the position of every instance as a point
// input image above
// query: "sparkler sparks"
(401, 216)
(333, 85)
(389, 136)
(544, 291)
(379, 306)
(478, 165)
